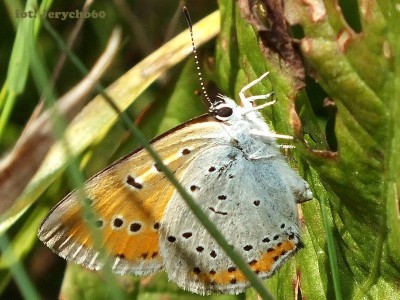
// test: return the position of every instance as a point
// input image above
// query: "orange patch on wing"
(114, 196)
(139, 212)
(234, 275)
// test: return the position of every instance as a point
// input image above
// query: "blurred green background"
(348, 51)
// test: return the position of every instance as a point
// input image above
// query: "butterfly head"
(225, 109)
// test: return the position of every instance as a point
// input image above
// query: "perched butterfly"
(230, 163)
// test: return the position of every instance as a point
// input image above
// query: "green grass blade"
(331, 249)
(20, 60)
(22, 279)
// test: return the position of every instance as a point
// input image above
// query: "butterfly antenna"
(199, 74)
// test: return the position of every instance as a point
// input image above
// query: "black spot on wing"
(135, 227)
(118, 222)
(218, 212)
(132, 182)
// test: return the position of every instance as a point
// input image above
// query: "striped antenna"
(199, 74)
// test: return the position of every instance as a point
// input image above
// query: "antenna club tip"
(187, 16)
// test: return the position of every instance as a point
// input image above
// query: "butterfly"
(230, 163)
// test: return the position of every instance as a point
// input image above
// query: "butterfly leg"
(261, 97)
(271, 135)
(246, 101)
(253, 98)
(286, 146)
(254, 82)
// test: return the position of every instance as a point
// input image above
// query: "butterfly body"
(234, 170)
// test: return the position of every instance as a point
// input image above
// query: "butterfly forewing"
(127, 201)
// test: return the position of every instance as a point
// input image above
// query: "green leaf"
(360, 180)
(357, 71)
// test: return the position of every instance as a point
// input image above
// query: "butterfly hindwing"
(127, 201)
(252, 207)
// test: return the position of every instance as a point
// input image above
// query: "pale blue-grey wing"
(253, 206)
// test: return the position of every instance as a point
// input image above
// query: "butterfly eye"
(223, 112)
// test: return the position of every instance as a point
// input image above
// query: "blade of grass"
(331, 249)
(22, 279)
(20, 60)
